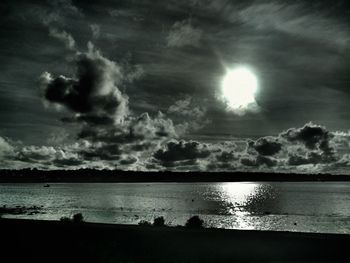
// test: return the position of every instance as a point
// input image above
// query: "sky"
(138, 85)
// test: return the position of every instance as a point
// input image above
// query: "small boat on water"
(46, 185)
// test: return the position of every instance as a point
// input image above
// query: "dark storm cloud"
(259, 161)
(309, 158)
(176, 151)
(135, 136)
(92, 94)
(101, 110)
(128, 161)
(134, 129)
(312, 136)
(226, 157)
(102, 151)
(310, 144)
(266, 146)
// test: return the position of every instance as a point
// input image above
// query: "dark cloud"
(175, 151)
(309, 158)
(313, 136)
(266, 146)
(259, 161)
(132, 146)
(316, 139)
(128, 161)
(226, 157)
(92, 95)
(312, 157)
(133, 129)
(224, 161)
(100, 151)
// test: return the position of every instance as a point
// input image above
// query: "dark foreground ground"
(45, 241)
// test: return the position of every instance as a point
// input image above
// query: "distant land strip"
(118, 176)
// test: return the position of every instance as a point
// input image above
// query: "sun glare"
(239, 87)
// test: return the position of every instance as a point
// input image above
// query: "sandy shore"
(49, 241)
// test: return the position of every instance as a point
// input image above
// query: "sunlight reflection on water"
(243, 200)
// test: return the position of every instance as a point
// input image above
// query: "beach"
(54, 241)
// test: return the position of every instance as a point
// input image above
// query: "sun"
(239, 88)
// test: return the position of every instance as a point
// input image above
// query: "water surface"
(306, 207)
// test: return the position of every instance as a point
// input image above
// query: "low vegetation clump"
(159, 221)
(144, 223)
(77, 218)
(195, 222)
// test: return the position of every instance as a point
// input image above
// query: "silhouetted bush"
(159, 221)
(194, 222)
(78, 218)
(144, 223)
(65, 219)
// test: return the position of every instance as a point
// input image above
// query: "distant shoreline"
(116, 176)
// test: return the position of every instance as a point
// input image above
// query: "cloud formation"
(188, 109)
(266, 146)
(104, 101)
(55, 13)
(92, 95)
(95, 30)
(185, 107)
(184, 34)
(181, 151)
(295, 20)
(5, 147)
(312, 136)
(63, 36)
(145, 143)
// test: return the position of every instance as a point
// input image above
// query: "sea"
(322, 207)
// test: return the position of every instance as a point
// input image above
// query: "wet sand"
(52, 241)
